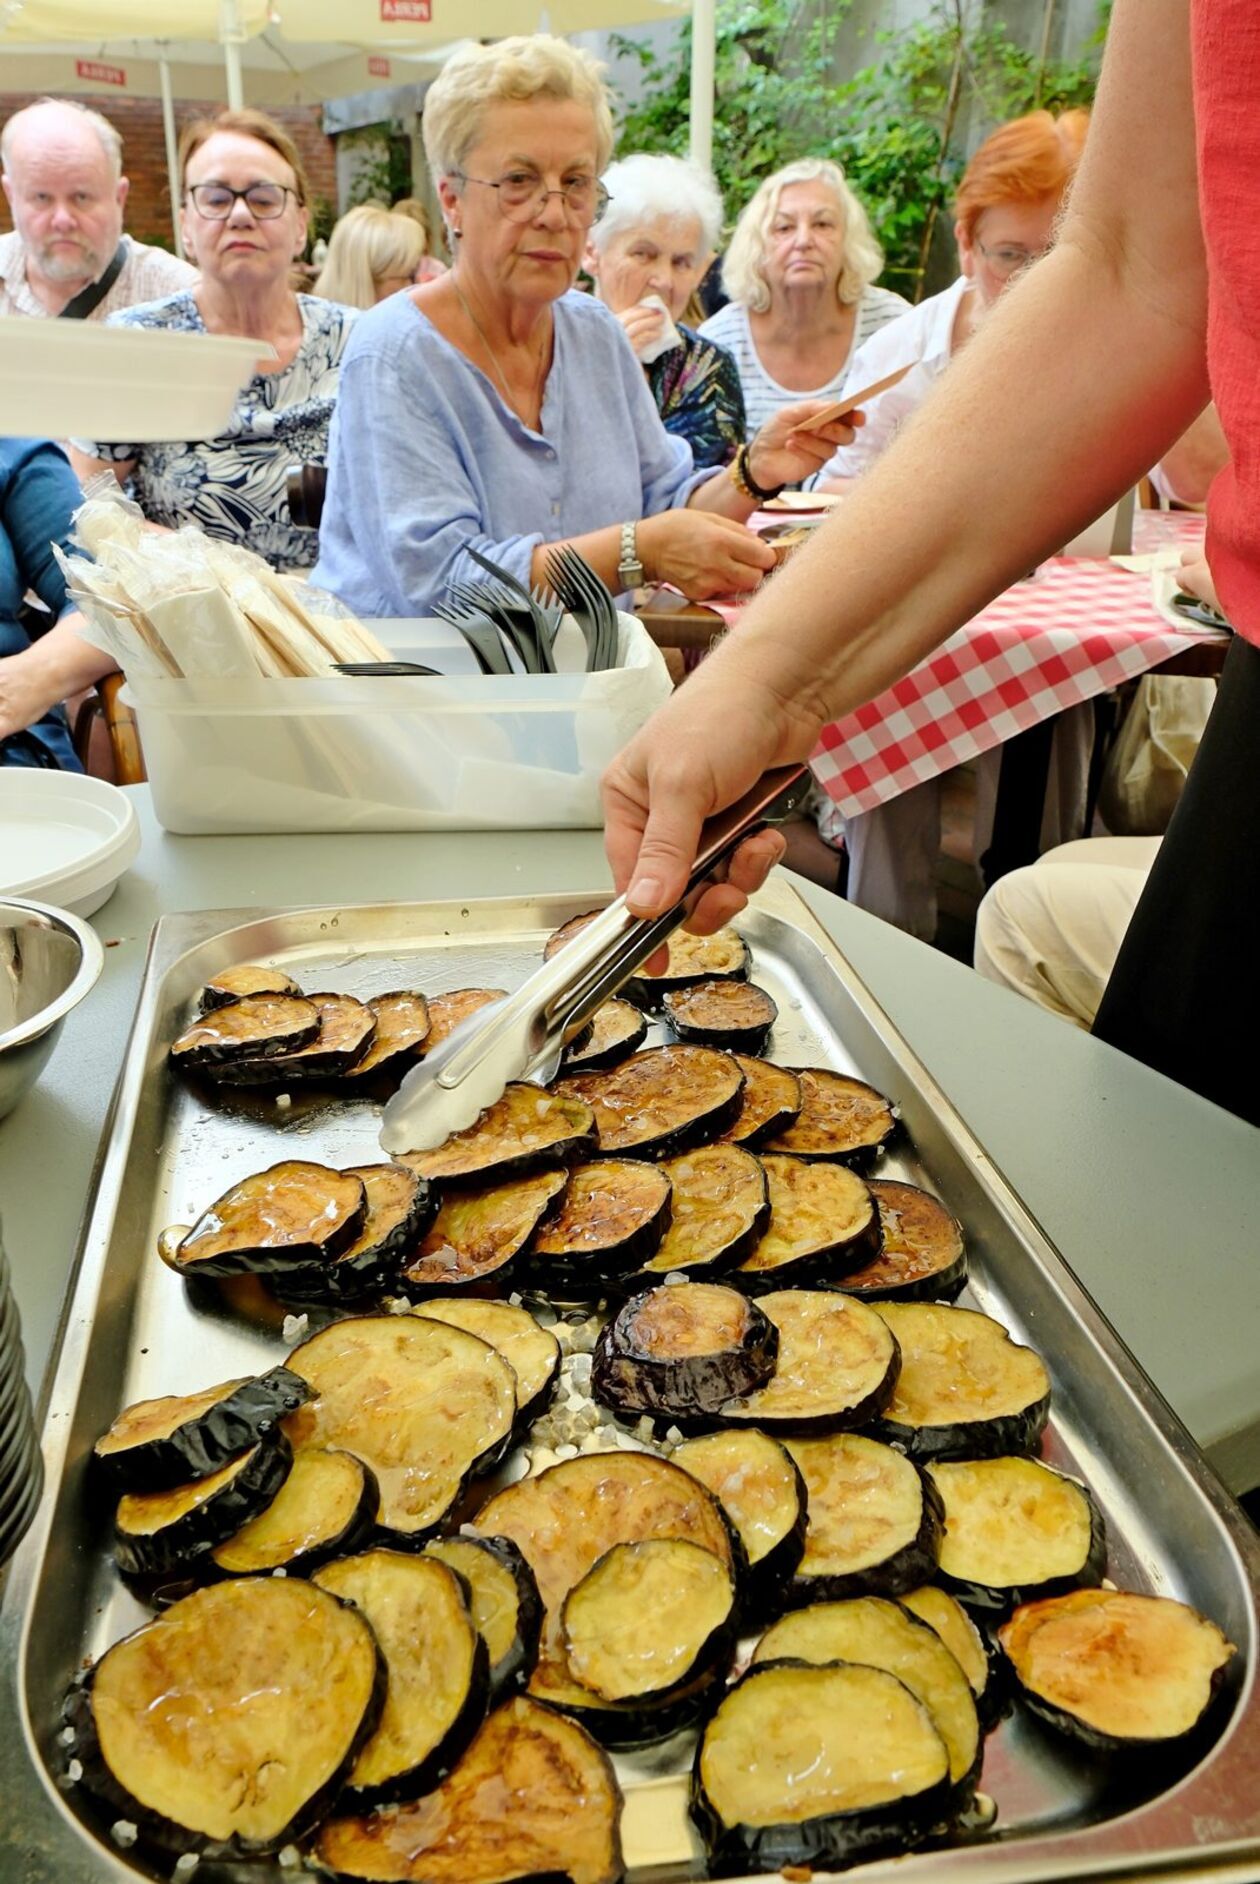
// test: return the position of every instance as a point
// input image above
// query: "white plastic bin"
(463, 752)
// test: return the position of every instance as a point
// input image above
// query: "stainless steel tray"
(130, 1331)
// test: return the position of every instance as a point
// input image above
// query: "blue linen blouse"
(38, 495)
(426, 457)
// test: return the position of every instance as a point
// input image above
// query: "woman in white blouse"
(800, 271)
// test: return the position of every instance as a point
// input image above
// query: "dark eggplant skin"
(431, 1771)
(244, 978)
(469, 1158)
(880, 1280)
(598, 1052)
(162, 1835)
(369, 1265)
(748, 1037)
(822, 1843)
(346, 1031)
(244, 1257)
(685, 1388)
(625, 1726)
(712, 1081)
(1001, 1437)
(284, 1024)
(350, 1538)
(594, 1202)
(202, 1445)
(193, 1536)
(916, 1562)
(991, 1603)
(511, 1673)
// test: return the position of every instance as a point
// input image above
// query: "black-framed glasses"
(216, 201)
(1009, 258)
(523, 195)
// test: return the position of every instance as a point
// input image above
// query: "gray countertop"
(1151, 1194)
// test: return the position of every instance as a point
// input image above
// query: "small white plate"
(65, 839)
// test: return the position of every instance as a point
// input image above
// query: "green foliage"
(896, 125)
(383, 171)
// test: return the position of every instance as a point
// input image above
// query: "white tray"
(65, 839)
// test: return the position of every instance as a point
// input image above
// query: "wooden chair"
(106, 737)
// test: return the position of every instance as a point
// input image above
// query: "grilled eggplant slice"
(398, 1205)
(874, 1524)
(157, 1532)
(737, 1015)
(533, 1353)
(611, 1218)
(772, 1101)
(226, 1725)
(422, 1404)
(661, 1101)
(966, 1390)
(526, 1130)
(879, 1633)
(837, 1366)
(617, 1031)
(823, 1223)
(840, 1118)
(922, 1258)
(1015, 1531)
(292, 1216)
(648, 1618)
(756, 1482)
(961, 1637)
(401, 1037)
(816, 1767)
(719, 1209)
(504, 1601)
(692, 958)
(346, 1030)
(231, 984)
(533, 1801)
(446, 1011)
(478, 1236)
(258, 1026)
(435, 1697)
(682, 1352)
(1121, 1672)
(158, 1444)
(327, 1505)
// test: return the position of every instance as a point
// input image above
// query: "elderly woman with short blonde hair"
(496, 409)
(800, 271)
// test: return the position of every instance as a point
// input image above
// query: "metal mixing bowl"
(48, 961)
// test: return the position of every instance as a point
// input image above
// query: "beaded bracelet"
(744, 481)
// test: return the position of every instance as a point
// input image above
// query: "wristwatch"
(630, 573)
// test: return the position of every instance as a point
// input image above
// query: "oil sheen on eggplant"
(293, 1215)
(661, 1101)
(756, 1482)
(875, 1520)
(1015, 1531)
(922, 1258)
(611, 1219)
(327, 1504)
(823, 1223)
(526, 1130)
(647, 1618)
(682, 1351)
(736, 1015)
(504, 1602)
(966, 1390)
(161, 1531)
(840, 1117)
(255, 1026)
(479, 1235)
(837, 1366)
(154, 1445)
(532, 1352)
(719, 1209)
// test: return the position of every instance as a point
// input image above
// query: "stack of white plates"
(65, 839)
(21, 1464)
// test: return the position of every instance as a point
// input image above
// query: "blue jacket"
(38, 494)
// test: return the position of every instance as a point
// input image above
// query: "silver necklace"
(494, 358)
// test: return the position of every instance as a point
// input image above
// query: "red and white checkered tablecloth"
(1076, 629)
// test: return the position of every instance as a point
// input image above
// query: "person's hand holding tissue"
(650, 328)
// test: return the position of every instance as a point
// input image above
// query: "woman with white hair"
(496, 409)
(372, 252)
(647, 255)
(800, 271)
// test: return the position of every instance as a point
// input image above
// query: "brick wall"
(138, 122)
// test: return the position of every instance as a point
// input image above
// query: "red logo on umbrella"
(416, 12)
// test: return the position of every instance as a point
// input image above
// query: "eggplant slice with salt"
(617, 1031)
(817, 1767)
(478, 1237)
(232, 984)
(823, 1223)
(526, 1130)
(533, 1353)
(161, 1531)
(422, 1404)
(661, 1101)
(1122, 1672)
(772, 1101)
(446, 1011)
(1015, 1531)
(226, 1726)
(327, 1505)
(755, 1480)
(438, 1665)
(399, 1205)
(879, 1633)
(922, 1258)
(533, 1800)
(504, 1601)
(610, 1220)
(401, 1037)
(294, 1215)
(966, 1390)
(719, 1209)
(736, 1015)
(258, 1026)
(346, 1030)
(648, 1618)
(874, 1525)
(681, 1352)
(975, 1656)
(692, 958)
(840, 1118)
(155, 1445)
(837, 1366)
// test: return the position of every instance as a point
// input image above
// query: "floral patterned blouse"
(697, 392)
(233, 486)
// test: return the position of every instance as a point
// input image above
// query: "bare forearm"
(61, 663)
(722, 496)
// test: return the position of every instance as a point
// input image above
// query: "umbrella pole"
(230, 38)
(703, 39)
(172, 152)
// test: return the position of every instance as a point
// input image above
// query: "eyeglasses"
(264, 201)
(523, 195)
(1007, 258)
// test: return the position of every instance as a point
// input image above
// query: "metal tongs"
(523, 1036)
